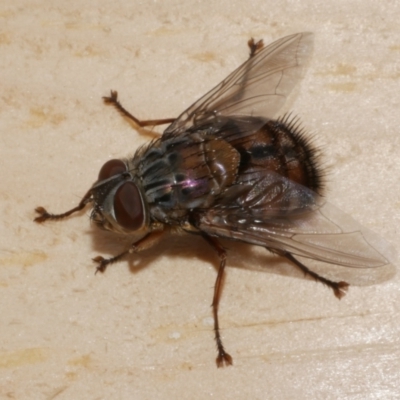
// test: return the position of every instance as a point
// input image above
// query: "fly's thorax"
(182, 173)
(119, 204)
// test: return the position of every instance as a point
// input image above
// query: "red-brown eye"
(128, 207)
(111, 168)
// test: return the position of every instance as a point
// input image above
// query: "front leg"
(142, 244)
(44, 215)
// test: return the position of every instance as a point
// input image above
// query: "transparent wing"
(259, 87)
(279, 214)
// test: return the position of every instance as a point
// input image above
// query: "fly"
(226, 168)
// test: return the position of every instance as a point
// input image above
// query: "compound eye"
(128, 207)
(111, 168)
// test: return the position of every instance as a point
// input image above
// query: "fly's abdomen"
(279, 146)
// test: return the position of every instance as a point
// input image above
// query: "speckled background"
(143, 330)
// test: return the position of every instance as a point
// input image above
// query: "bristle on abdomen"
(297, 152)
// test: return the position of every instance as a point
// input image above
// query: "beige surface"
(146, 332)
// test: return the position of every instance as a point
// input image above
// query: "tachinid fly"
(225, 168)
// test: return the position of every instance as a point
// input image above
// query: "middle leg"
(223, 357)
(113, 99)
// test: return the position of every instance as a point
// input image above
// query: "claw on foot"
(341, 289)
(254, 46)
(103, 263)
(223, 359)
(43, 214)
(113, 98)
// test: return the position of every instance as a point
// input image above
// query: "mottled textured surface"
(144, 329)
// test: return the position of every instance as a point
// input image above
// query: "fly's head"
(118, 203)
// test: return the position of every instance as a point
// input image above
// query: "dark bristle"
(311, 155)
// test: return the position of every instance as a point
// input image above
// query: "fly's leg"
(255, 47)
(103, 263)
(339, 288)
(142, 244)
(113, 100)
(44, 215)
(223, 357)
